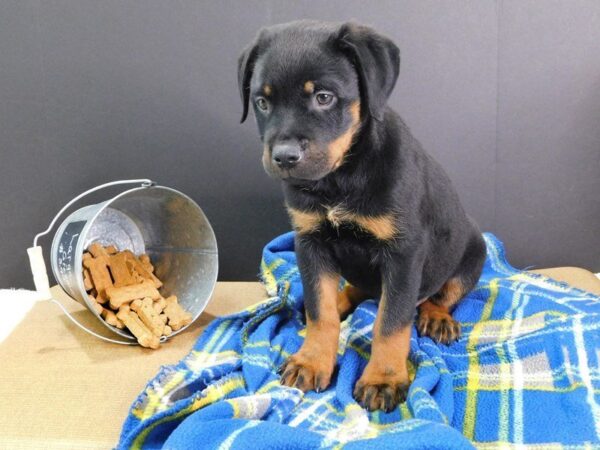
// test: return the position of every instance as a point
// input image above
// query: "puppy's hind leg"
(349, 298)
(434, 318)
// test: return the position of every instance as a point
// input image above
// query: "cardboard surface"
(63, 388)
(575, 276)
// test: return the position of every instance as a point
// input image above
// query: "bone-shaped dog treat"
(178, 317)
(119, 270)
(100, 276)
(87, 280)
(111, 318)
(150, 317)
(111, 250)
(126, 294)
(135, 305)
(97, 306)
(130, 287)
(97, 250)
(144, 336)
(135, 265)
(145, 261)
(159, 305)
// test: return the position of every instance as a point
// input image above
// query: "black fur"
(385, 171)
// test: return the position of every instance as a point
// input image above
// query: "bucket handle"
(38, 266)
(144, 182)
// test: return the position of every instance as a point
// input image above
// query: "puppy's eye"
(324, 98)
(262, 103)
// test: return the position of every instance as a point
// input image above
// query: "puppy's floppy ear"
(377, 62)
(245, 69)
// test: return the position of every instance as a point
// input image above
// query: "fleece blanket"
(525, 372)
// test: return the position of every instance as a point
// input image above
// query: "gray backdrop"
(506, 94)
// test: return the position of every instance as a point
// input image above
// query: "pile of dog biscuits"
(124, 291)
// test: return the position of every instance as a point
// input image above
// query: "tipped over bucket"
(156, 220)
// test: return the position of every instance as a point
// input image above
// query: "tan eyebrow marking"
(309, 87)
(267, 89)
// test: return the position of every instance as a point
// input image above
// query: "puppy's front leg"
(312, 366)
(384, 382)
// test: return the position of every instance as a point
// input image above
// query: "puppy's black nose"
(286, 155)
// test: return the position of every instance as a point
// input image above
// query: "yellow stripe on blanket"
(210, 395)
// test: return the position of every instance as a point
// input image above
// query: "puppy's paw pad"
(440, 327)
(383, 396)
(306, 374)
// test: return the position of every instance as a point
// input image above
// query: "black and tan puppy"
(367, 202)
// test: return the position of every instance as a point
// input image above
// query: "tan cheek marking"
(339, 146)
(265, 156)
(304, 221)
(309, 87)
(267, 89)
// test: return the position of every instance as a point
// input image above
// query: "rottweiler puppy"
(366, 201)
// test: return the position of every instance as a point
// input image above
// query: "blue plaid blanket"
(525, 371)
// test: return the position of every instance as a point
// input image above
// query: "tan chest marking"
(383, 227)
(305, 221)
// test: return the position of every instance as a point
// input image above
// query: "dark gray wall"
(506, 94)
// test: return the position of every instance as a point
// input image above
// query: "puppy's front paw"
(383, 390)
(438, 325)
(306, 372)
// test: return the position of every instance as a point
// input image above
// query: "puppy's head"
(312, 85)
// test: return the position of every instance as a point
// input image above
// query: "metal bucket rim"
(79, 256)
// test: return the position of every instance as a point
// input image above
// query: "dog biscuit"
(119, 270)
(97, 306)
(135, 305)
(126, 294)
(135, 265)
(111, 250)
(110, 318)
(97, 250)
(144, 336)
(100, 276)
(123, 290)
(145, 261)
(159, 305)
(87, 280)
(150, 317)
(178, 317)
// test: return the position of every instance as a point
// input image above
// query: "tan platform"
(64, 389)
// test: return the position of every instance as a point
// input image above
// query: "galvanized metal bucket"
(160, 221)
